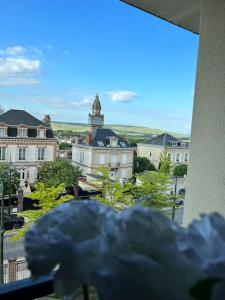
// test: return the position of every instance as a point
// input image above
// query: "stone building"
(102, 147)
(26, 142)
(177, 150)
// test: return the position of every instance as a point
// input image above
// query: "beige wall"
(89, 159)
(206, 174)
(153, 152)
(31, 164)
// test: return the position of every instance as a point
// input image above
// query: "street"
(13, 249)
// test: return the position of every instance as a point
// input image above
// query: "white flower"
(136, 254)
(69, 237)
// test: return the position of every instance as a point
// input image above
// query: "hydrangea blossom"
(136, 254)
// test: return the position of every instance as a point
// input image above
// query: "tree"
(10, 177)
(113, 193)
(65, 146)
(165, 164)
(48, 198)
(141, 164)
(57, 172)
(180, 170)
(151, 191)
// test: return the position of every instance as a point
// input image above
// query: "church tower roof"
(96, 106)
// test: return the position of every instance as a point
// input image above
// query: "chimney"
(47, 120)
(88, 138)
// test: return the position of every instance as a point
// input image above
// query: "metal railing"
(14, 270)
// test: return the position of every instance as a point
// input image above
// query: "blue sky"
(55, 56)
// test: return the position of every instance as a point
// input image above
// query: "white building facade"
(26, 142)
(152, 149)
(102, 148)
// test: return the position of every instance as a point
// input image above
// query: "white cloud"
(84, 102)
(122, 96)
(16, 50)
(13, 51)
(19, 66)
(16, 81)
(14, 65)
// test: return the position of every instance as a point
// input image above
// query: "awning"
(183, 13)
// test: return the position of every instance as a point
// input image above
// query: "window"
(123, 145)
(22, 132)
(22, 174)
(174, 143)
(150, 154)
(41, 153)
(186, 157)
(81, 157)
(22, 153)
(124, 158)
(169, 156)
(41, 134)
(2, 132)
(178, 157)
(100, 143)
(2, 153)
(102, 159)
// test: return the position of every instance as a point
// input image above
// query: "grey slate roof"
(103, 135)
(165, 139)
(17, 117)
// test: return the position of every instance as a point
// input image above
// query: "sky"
(56, 55)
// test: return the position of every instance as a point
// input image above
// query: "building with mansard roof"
(26, 142)
(102, 147)
(178, 151)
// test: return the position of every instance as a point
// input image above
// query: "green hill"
(119, 129)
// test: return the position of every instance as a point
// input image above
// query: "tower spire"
(96, 119)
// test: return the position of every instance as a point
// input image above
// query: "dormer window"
(22, 132)
(41, 133)
(3, 131)
(113, 141)
(174, 144)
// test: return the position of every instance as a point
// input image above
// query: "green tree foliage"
(57, 172)
(113, 193)
(9, 187)
(65, 146)
(165, 164)
(48, 198)
(141, 164)
(180, 170)
(151, 191)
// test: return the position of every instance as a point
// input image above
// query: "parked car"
(13, 222)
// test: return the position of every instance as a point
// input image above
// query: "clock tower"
(96, 119)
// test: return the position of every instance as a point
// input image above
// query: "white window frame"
(24, 156)
(23, 131)
(186, 157)
(41, 154)
(174, 144)
(177, 157)
(43, 135)
(3, 131)
(2, 153)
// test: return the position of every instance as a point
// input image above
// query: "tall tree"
(150, 191)
(57, 172)
(48, 198)
(10, 178)
(180, 170)
(165, 164)
(142, 164)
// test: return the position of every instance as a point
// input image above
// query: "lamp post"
(1, 231)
